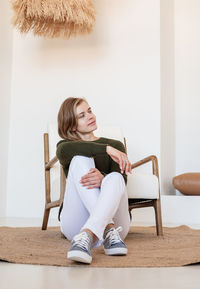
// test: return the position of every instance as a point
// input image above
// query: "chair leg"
(158, 216)
(45, 219)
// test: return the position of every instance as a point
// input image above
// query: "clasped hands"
(92, 179)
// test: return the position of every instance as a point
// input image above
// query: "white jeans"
(93, 208)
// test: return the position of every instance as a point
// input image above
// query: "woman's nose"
(90, 117)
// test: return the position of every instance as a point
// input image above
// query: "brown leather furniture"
(187, 184)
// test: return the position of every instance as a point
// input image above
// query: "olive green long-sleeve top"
(67, 149)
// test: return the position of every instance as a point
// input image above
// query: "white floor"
(52, 277)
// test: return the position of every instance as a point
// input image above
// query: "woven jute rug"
(30, 245)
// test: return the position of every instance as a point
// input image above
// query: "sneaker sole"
(79, 256)
(116, 251)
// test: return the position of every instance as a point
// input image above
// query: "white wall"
(180, 90)
(167, 97)
(119, 63)
(187, 85)
(138, 69)
(117, 68)
(5, 84)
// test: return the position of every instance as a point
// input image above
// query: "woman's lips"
(92, 123)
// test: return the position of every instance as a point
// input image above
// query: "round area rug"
(30, 245)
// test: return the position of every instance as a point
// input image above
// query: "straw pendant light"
(54, 18)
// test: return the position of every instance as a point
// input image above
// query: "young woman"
(96, 199)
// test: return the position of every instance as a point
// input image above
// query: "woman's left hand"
(92, 179)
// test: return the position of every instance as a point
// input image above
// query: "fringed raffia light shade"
(54, 18)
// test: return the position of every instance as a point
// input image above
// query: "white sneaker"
(113, 244)
(81, 248)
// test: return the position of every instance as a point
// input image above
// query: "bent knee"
(79, 159)
(116, 177)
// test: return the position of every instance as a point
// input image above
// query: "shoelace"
(82, 239)
(114, 236)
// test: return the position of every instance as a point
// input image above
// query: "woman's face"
(86, 118)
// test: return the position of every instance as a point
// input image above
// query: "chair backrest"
(109, 131)
(139, 185)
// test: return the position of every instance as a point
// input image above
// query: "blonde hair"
(67, 119)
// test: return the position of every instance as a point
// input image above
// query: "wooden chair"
(143, 189)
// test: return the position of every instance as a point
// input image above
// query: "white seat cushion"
(142, 185)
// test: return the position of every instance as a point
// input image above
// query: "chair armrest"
(155, 170)
(151, 158)
(49, 164)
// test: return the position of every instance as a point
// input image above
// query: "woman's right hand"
(120, 158)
